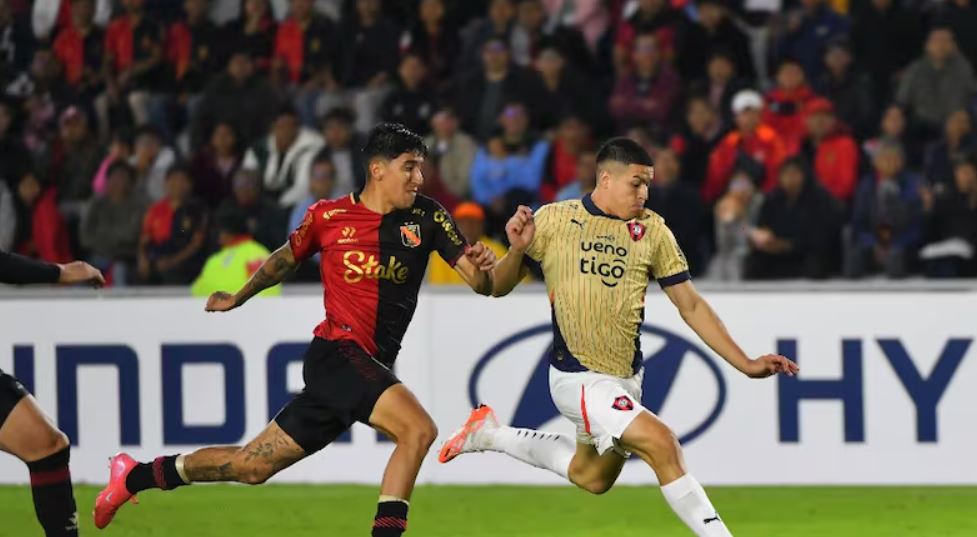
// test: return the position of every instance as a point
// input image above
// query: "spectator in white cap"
(751, 147)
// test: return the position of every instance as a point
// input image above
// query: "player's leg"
(399, 414)
(594, 472)
(652, 440)
(28, 434)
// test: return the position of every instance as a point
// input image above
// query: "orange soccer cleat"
(468, 439)
(115, 494)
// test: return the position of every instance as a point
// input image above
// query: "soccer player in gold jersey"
(597, 256)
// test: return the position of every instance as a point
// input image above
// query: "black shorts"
(342, 384)
(11, 392)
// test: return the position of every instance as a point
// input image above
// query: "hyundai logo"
(682, 383)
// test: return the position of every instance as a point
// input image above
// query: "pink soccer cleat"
(468, 439)
(115, 494)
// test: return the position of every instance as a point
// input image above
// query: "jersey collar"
(593, 209)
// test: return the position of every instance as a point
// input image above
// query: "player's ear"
(375, 168)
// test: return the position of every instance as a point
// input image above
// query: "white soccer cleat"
(473, 436)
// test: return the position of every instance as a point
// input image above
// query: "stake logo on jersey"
(359, 265)
(410, 235)
(623, 403)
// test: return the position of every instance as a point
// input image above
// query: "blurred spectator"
(809, 29)
(51, 18)
(412, 102)
(8, 218)
(265, 220)
(497, 24)
(648, 93)
(680, 206)
(785, 105)
(887, 218)
(736, 214)
(111, 227)
(893, 128)
(282, 160)
(80, 48)
(831, 149)
(344, 148)
(796, 231)
(591, 17)
(236, 89)
(509, 169)
(42, 89)
(73, 158)
(17, 46)
(453, 152)
(715, 32)
(720, 84)
(240, 256)
(152, 161)
(372, 49)
(848, 89)
(306, 43)
(215, 165)
(753, 147)
(698, 136)
(572, 138)
(886, 37)
(936, 85)
(252, 33)
(470, 218)
(41, 232)
(13, 155)
(952, 227)
(532, 30)
(322, 182)
(480, 96)
(957, 143)
(120, 148)
(960, 16)
(174, 231)
(585, 180)
(133, 57)
(567, 91)
(651, 16)
(435, 39)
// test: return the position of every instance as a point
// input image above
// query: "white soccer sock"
(690, 503)
(549, 451)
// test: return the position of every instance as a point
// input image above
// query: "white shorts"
(601, 406)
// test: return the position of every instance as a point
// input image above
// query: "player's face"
(627, 188)
(400, 179)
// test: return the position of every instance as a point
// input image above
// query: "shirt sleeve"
(448, 240)
(18, 269)
(668, 264)
(544, 220)
(304, 240)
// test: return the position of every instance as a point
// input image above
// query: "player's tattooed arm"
(279, 265)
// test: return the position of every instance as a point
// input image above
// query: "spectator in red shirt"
(753, 147)
(133, 57)
(306, 43)
(173, 233)
(41, 231)
(831, 149)
(572, 139)
(785, 105)
(649, 92)
(80, 48)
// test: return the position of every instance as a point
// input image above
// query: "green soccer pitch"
(494, 511)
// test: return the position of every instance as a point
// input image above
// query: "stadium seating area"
(792, 139)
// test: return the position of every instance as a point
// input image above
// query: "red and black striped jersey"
(372, 266)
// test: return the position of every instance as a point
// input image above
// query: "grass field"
(441, 511)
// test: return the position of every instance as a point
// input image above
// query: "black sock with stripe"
(159, 474)
(54, 500)
(391, 519)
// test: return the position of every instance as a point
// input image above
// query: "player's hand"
(81, 272)
(481, 256)
(521, 229)
(221, 301)
(771, 364)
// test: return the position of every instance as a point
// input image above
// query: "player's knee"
(49, 442)
(597, 486)
(422, 435)
(659, 443)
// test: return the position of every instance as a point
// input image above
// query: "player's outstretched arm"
(18, 269)
(475, 267)
(272, 272)
(509, 271)
(700, 316)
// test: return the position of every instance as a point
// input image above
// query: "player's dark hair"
(625, 151)
(390, 140)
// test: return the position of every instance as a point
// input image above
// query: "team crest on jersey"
(637, 230)
(623, 403)
(410, 235)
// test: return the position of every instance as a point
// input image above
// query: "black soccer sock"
(391, 519)
(54, 500)
(159, 474)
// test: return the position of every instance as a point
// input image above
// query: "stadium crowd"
(792, 139)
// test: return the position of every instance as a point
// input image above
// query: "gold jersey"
(597, 269)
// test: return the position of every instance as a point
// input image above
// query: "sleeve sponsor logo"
(441, 219)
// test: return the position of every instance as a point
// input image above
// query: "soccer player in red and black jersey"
(25, 432)
(374, 248)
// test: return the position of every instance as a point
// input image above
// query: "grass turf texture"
(441, 511)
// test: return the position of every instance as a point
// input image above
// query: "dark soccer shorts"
(342, 385)
(11, 392)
